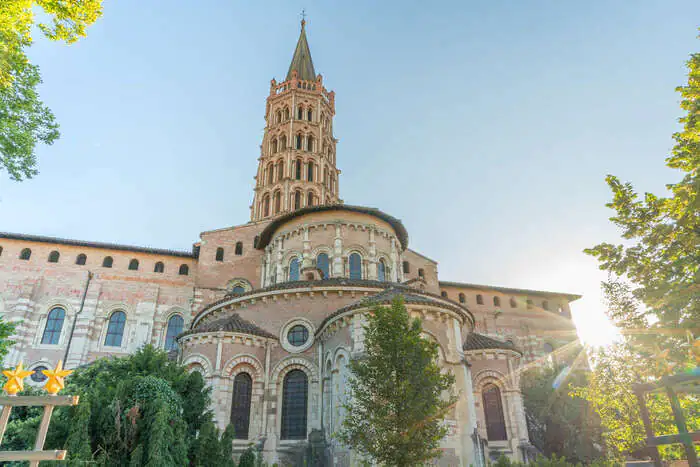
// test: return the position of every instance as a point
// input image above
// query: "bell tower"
(296, 167)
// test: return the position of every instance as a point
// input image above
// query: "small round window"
(298, 335)
(38, 376)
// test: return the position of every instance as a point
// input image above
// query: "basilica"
(271, 311)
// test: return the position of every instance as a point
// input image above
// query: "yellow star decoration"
(15, 379)
(55, 382)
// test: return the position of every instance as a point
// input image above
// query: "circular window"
(38, 376)
(298, 335)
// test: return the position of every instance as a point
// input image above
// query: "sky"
(487, 127)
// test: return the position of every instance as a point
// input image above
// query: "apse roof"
(301, 62)
(476, 341)
(231, 323)
(266, 234)
(545, 293)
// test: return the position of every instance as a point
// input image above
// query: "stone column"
(372, 260)
(306, 254)
(280, 268)
(396, 270)
(337, 267)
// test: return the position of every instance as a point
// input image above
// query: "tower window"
(278, 117)
(300, 113)
(184, 270)
(270, 173)
(310, 171)
(310, 143)
(462, 298)
(219, 254)
(496, 301)
(159, 267)
(513, 304)
(134, 265)
(107, 262)
(297, 169)
(406, 267)
(310, 115)
(286, 113)
(297, 199)
(239, 248)
(278, 201)
(53, 256)
(298, 142)
(283, 143)
(81, 259)
(280, 170)
(310, 198)
(274, 146)
(479, 299)
(25, 254)
(240, 406)
(266, 205)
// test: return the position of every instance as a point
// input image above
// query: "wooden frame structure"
(688, 383)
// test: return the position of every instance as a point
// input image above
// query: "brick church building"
(271, 311)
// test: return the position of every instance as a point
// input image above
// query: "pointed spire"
(301, 62)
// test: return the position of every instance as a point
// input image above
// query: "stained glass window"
(294, 269)
(298, 335)
(38, 376)
(175, 325)
(381, 270)
(115, 329)
(54, 324)
(355, 261)
(294, 405)
(323, 264)
(240, 406)
(493, 410)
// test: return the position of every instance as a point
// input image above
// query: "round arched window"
(298, 335)
(38, 376)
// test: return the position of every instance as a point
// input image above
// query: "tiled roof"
(108, 246)
(232, 323)
(543, 293)
(301, 62)
(476, 341)
(409, 295)
(266, 235)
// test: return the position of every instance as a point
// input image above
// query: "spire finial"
(303, 18)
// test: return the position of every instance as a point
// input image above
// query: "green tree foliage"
(24, 119)
(6, 331)
(212, 450)
(559, 423)
(78, 441)
(653, 291)
(397, 405)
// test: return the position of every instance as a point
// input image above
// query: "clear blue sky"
(487, 127)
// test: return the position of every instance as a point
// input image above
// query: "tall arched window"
(310, 171)
(107, 262)
(134, 265)
(240, 405)
(115, 329)
(270, 173)
(280, 170)
(294, 269)
(220, 254)
(286, 113)
(239, 248)
(283, 143)
(355, 264)
(184, 270)
(266, 205)
(274, 146)
(310, 143)
(278, 201)
(493, 410)
(298, 144)
(462, 298)
(175, 325)
(53, 256)
(323, 264)
(297, 169)
(278, 116)
(297, 199)
(479, 299)
(54, 324)
(300, 113)
(310, 115)
(496, 301)
(25, 254)
(326, 179)
(294, 405)
(381, 270)
(310, 198)
(81, 259)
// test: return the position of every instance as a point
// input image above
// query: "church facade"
(270, 312)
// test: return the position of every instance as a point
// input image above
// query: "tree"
(24, 119)
(6, 330)
(559, 423)
(396, 404)
(653, 290)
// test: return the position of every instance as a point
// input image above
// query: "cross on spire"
(303, 17)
